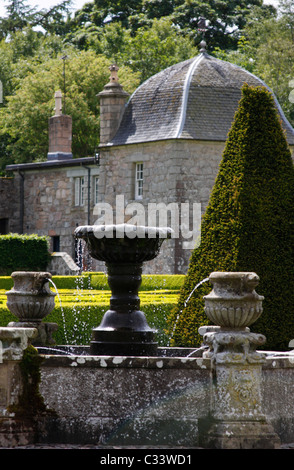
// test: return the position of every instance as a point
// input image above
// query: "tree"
(224, 19)
(266, 48)
(248, 224)
(25, 118)
(149, 51)
(20, 16)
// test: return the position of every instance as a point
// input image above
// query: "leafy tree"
(248, 224)
(266, 48)
(225, 19)
(28, 109)
(20, 15)
(149, 51)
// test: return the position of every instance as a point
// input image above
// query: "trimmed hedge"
(81, 308)
(23, 253)
(98, 281)
(248, 224)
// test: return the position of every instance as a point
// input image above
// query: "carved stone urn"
(31, 300)
(233, 302)
(124, 248)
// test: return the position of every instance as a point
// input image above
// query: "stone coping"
(161, 361)
(176, 358)
(279, 360)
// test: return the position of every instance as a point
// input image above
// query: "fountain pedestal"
(124, 248)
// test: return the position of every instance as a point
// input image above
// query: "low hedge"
(98, 281)
(23, 253)
(80, 310)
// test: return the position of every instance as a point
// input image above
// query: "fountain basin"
(123, 243)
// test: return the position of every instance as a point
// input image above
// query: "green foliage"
(31, 402)
(248, 224)
(6, 282)
(19, 15)
(162, 281)
(28, 109)
(80, 309)
(77, 320)
(98, 281)
(23, 253)
(225, 19)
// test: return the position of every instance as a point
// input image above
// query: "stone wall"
(114, 400)
(175, 171)
(50, 208)
(10, 209)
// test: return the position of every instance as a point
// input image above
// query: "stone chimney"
(60, 132)
(112, 102)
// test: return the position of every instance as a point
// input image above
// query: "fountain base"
(122, 343)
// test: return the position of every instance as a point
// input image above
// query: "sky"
(77, 4)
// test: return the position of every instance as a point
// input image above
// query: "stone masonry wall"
(50, 204)
(10, 202)
(176, 171)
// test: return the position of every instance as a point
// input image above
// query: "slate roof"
(195, 99)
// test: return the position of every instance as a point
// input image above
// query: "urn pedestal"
(236, 420)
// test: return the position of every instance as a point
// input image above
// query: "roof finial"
(203, 46)
(201, 27)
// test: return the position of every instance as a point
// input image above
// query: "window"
(56, 243)
(96, 183)
(139, 181)
(79, 191)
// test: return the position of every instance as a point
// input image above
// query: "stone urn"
(31, 300)
(233, 302)
(237, 420)
(124, 248)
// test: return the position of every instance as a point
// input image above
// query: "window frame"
(79, 191)
(139, 180)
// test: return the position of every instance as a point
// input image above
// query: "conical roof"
(194, 99)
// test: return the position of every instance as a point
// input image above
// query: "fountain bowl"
(123, 243)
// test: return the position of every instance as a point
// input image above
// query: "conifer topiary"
(248, 224)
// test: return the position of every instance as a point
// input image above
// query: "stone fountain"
(225, 394)
(124, 248)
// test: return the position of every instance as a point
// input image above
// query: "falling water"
(62, 312)
(185, 304)
(196, 287)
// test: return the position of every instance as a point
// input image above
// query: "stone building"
(159, 149)
(51, 198)
(167, 144)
